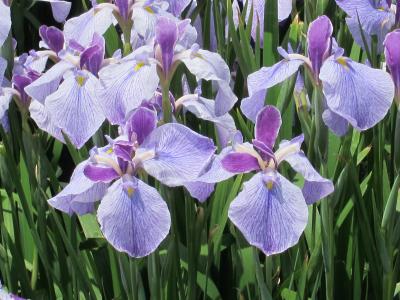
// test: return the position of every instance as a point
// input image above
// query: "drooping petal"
(5, 99)
(44, 121)
(271, 215)
(240, 163)
(74, 107)
(125, 86)
(392, 55)
(48, 82)
(200, 190)
(134, 221)
(180, 154)
(315, 186)
(336, 123)
(210, 66)
(319, 41)
(176, 7)
(83, 27)
(268, 124)
(80, 194)
(60, 9)
(374, 20)
(52, 37)
(141, 123)
(356, 92)
(5, 22)
(263, 79)
(205, 109)
(166, 37)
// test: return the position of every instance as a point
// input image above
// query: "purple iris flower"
(132, 215)
(376, 18)
(284, 10)
(136, 77)
(67, 90)
(5, 22)
(355, 93)
(392, 55)
(270, 211)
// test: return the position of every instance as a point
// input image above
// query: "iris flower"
(64, 96)
(375, 17)
(355, 93)
(132, 215)
(136, 77)
(5, 22)
(270, 211)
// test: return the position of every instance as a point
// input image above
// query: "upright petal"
(74, 107)
(125, 86)
(48, 82)
(176, 7)
(123, 6)
(92, 57)
(5, 22)
(83, 27)
(80, 194)
(315, 186)
(166, 37)
(180, 154)
(356, 92)
(319, 42)
(270, 215)
(141, 123)
(134, 221)
(267, 125)
(260, 81)
(52, 37)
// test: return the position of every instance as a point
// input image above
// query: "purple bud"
(166, 37)
(53, 37)
(392, 55)
(319, 42)
(92, 57)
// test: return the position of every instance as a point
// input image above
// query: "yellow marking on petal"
(269, 185)
(138, 66)
(149, 9)
(130, 191)
(109, 151)
(342, 60)
(80, 80)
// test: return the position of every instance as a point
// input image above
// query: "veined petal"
(356, 92)
(100, 174)
(5, 22)
(260, 81)
(60, 9)
(141, 123)
(3, 67)
(225, 98)
(43, 120)
(80, 194)
(176, 7)
(48, 82)
(125, 86)
(74, 107)
(180, 154)
(92, 57)
(135, 221)
(271, 216)
(392, 55)
(83, 27)
(267, 125)
(315, 186)
(199, 190)
(5, 99)
(123, 6)
(336, 123)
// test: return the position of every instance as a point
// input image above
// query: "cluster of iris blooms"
(83, 88)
